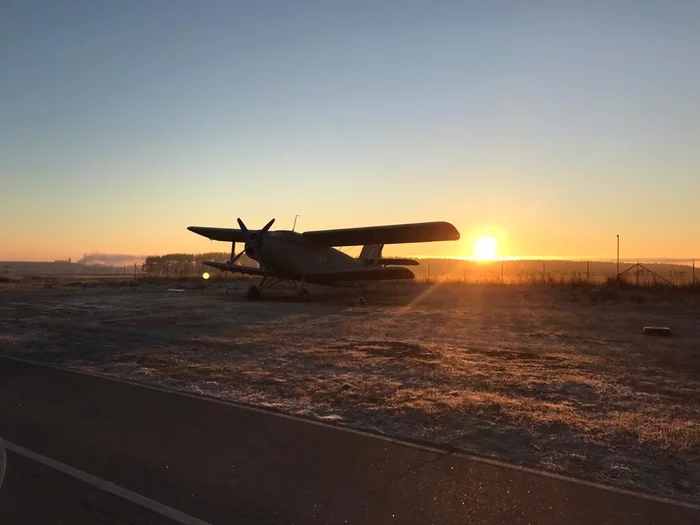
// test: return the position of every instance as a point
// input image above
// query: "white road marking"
(101, 484)
(395, 441)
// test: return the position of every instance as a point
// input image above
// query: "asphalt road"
(226, 464)
(34, 494)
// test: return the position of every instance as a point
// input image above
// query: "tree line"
(185, 264)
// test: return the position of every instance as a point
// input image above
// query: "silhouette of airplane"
(311, 257)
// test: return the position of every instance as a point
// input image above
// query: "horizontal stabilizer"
(362, 274)
(398, 261)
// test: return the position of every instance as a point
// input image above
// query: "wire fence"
(514, 272)
(558, 272)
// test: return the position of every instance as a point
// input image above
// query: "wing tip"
(451, 232)
(199, 230)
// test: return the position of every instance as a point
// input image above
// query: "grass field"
(556, 377)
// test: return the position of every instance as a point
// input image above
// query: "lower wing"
(235, 268)
(356, 274)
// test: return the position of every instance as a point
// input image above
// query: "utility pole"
(618, 259)
(543, 279)
(693, 272)
(295, 222)
(588, 272)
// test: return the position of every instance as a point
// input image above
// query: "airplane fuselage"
(287, 253)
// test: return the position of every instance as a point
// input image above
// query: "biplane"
(313, 257)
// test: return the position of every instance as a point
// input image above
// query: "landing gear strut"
(299, 288)
(303, 292)
(268, 282)
(265, 283)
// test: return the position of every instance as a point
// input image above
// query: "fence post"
(588, 272)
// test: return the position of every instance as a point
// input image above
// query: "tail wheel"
(304, 294)
(253, 292)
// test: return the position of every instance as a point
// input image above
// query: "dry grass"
(558, 378)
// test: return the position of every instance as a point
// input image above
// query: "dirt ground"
(553, 377)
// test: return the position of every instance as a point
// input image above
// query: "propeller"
(254, 240)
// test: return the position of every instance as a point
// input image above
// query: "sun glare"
(485, 248)
(205, 276)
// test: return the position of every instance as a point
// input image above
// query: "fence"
(430, 270)
(556, 272)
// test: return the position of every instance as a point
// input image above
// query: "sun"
(485, 248)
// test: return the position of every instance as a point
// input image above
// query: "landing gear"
(363, 297)
(298, 286)
(265, 283)
(302, 292)
(360, 300)
(268, 282)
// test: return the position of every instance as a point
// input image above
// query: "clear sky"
(552, 125)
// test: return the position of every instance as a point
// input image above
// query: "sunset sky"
(552, 126)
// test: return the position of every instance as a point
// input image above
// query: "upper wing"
(393, 234)
(362, 274)
(219, 234)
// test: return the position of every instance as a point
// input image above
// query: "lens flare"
(485, 248)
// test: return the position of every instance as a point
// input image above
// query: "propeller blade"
(246, 233)
(267, 226)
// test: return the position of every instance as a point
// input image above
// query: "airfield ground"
(555, 377)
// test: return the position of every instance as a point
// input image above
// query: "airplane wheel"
(253, 292)
(304, 294)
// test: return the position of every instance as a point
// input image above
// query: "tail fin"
(371, 252)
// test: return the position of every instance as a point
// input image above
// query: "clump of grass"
(604, 293)
(678, 434)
